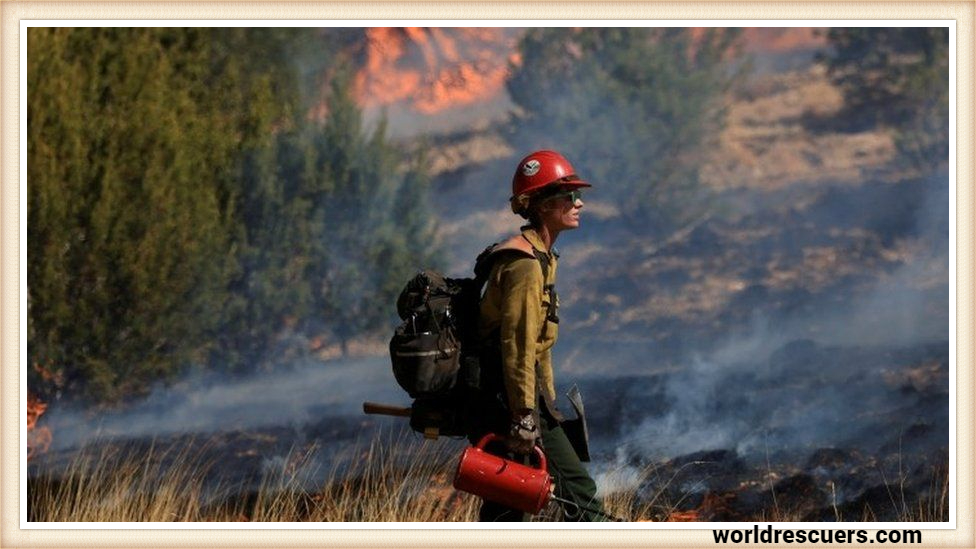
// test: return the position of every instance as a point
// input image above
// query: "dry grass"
(394, 478)
(932, 507)
(627, 504)
(370, 484)
(108, 487)
(379, 489)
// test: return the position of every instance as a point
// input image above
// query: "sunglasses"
(573, 196)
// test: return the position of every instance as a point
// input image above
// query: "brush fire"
(38, 438)
(787, 362)
(432, 69)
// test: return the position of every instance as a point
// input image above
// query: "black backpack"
(435, 351)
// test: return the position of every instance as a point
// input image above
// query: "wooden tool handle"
(385, 409)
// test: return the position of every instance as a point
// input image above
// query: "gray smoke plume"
(775, 384)
(202, 404)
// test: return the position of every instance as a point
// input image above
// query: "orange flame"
(712, 505)
(55, 378)
(774, 39)
(431, 69)
(684, 516)
(38, 439)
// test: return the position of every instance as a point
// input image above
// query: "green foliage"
(374, 223)
(635, 110)
(126, 241)
(896, 77)
(184, 209)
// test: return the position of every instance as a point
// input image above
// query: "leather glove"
(523, 434)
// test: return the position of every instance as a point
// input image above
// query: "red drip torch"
(504, 481)
(509, 483)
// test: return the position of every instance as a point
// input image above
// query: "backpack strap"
(550, 289)
(518, 244)
(482, 265)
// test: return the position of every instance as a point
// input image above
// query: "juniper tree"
(126, 153)
(184, 207)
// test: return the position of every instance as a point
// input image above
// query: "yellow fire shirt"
(515, 305)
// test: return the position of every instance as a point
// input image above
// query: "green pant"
(572, 482)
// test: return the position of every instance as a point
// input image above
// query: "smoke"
(910, 304)
(616, 475)
(206, 404)
(889, 405)
(809, 338)
(812, 367)
(843, 299)
(859, 362)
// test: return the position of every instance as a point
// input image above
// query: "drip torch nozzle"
(580, 508)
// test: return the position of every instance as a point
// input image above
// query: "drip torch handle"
(543, 465)
(542, 458)
(486, 439)
(385, 409)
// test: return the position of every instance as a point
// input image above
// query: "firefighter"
(518, 325)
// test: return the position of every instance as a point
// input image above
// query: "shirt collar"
(533, 237)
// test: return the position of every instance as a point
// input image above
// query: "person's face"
(561, 211)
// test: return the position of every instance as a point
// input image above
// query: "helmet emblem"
(531, 168)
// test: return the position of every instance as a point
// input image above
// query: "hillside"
(810, 220)
(803, 319)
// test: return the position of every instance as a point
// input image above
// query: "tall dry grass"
(392, 478)
(114, 485)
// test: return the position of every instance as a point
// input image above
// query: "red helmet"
(543, 168)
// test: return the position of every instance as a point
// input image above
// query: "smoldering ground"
(857, 368)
